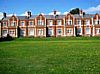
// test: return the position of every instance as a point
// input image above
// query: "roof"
(89, 15)
(22, 17)
(52, 16)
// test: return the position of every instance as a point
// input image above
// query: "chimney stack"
(29, 14)
(55, 12)
(80, 12)
(4, 15)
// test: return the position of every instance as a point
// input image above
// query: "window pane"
(22, 23)
(59, 22)
(50, 31)
(31, 23)
(4, 23)
(59, 31)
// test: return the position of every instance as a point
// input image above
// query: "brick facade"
(51, 25)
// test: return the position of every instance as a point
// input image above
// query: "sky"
(19, 7)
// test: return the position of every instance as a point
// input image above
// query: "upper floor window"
(50, 22)
(97, 22)
(59, 22)
(30, 23)
(69, 22)
(22, 23)
(4, 23)
(40, 22)
(87, 22)
(13, 23)
(79, 22)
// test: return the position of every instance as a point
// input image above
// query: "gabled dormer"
(96, 19)
(69, 19)
(40, 20)
(13, 21)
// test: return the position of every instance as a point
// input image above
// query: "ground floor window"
(4, 32)
(11, 32)
(22, 32)
(40, 32)
(69, 31)
(87, 31)
(59, 32)
(50, 32)
(79, 30)
(31, 32)
(98, 31)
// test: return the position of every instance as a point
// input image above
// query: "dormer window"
(4, 23)
(59, 22)
(13, 23)
(40, 22)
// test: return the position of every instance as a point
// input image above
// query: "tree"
(75, 11)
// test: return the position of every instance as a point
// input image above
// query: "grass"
(71, 55)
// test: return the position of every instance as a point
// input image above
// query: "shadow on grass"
(8, 38)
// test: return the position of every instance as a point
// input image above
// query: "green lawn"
(71, 55)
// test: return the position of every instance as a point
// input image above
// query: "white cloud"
(93, 9)
(10, 14)
(1, 15)
(24, 14)
(52, 13)
(65, 13)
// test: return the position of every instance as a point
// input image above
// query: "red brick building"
(50, 25)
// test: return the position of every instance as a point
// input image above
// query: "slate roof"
(51, 16)
(89, 15)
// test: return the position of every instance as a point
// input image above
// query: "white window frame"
(59, 22)
(4, 34)
(69, 31)
(5, 23)
(69, 22)
(87, 22)
(58, 31)
(31, 32)
(97, 30)
(79, 22)
(88, 30)
(22, 32)
(95, 22)
(40, 22)
(30, 23)
(13, 23)
(80, 31)
(50, 22)
(50, 31)
(22, 23)
(11, 32)
(40, 32)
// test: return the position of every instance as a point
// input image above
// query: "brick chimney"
(4, 15)
(29, 14)
(55, 12)
(80, 12)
